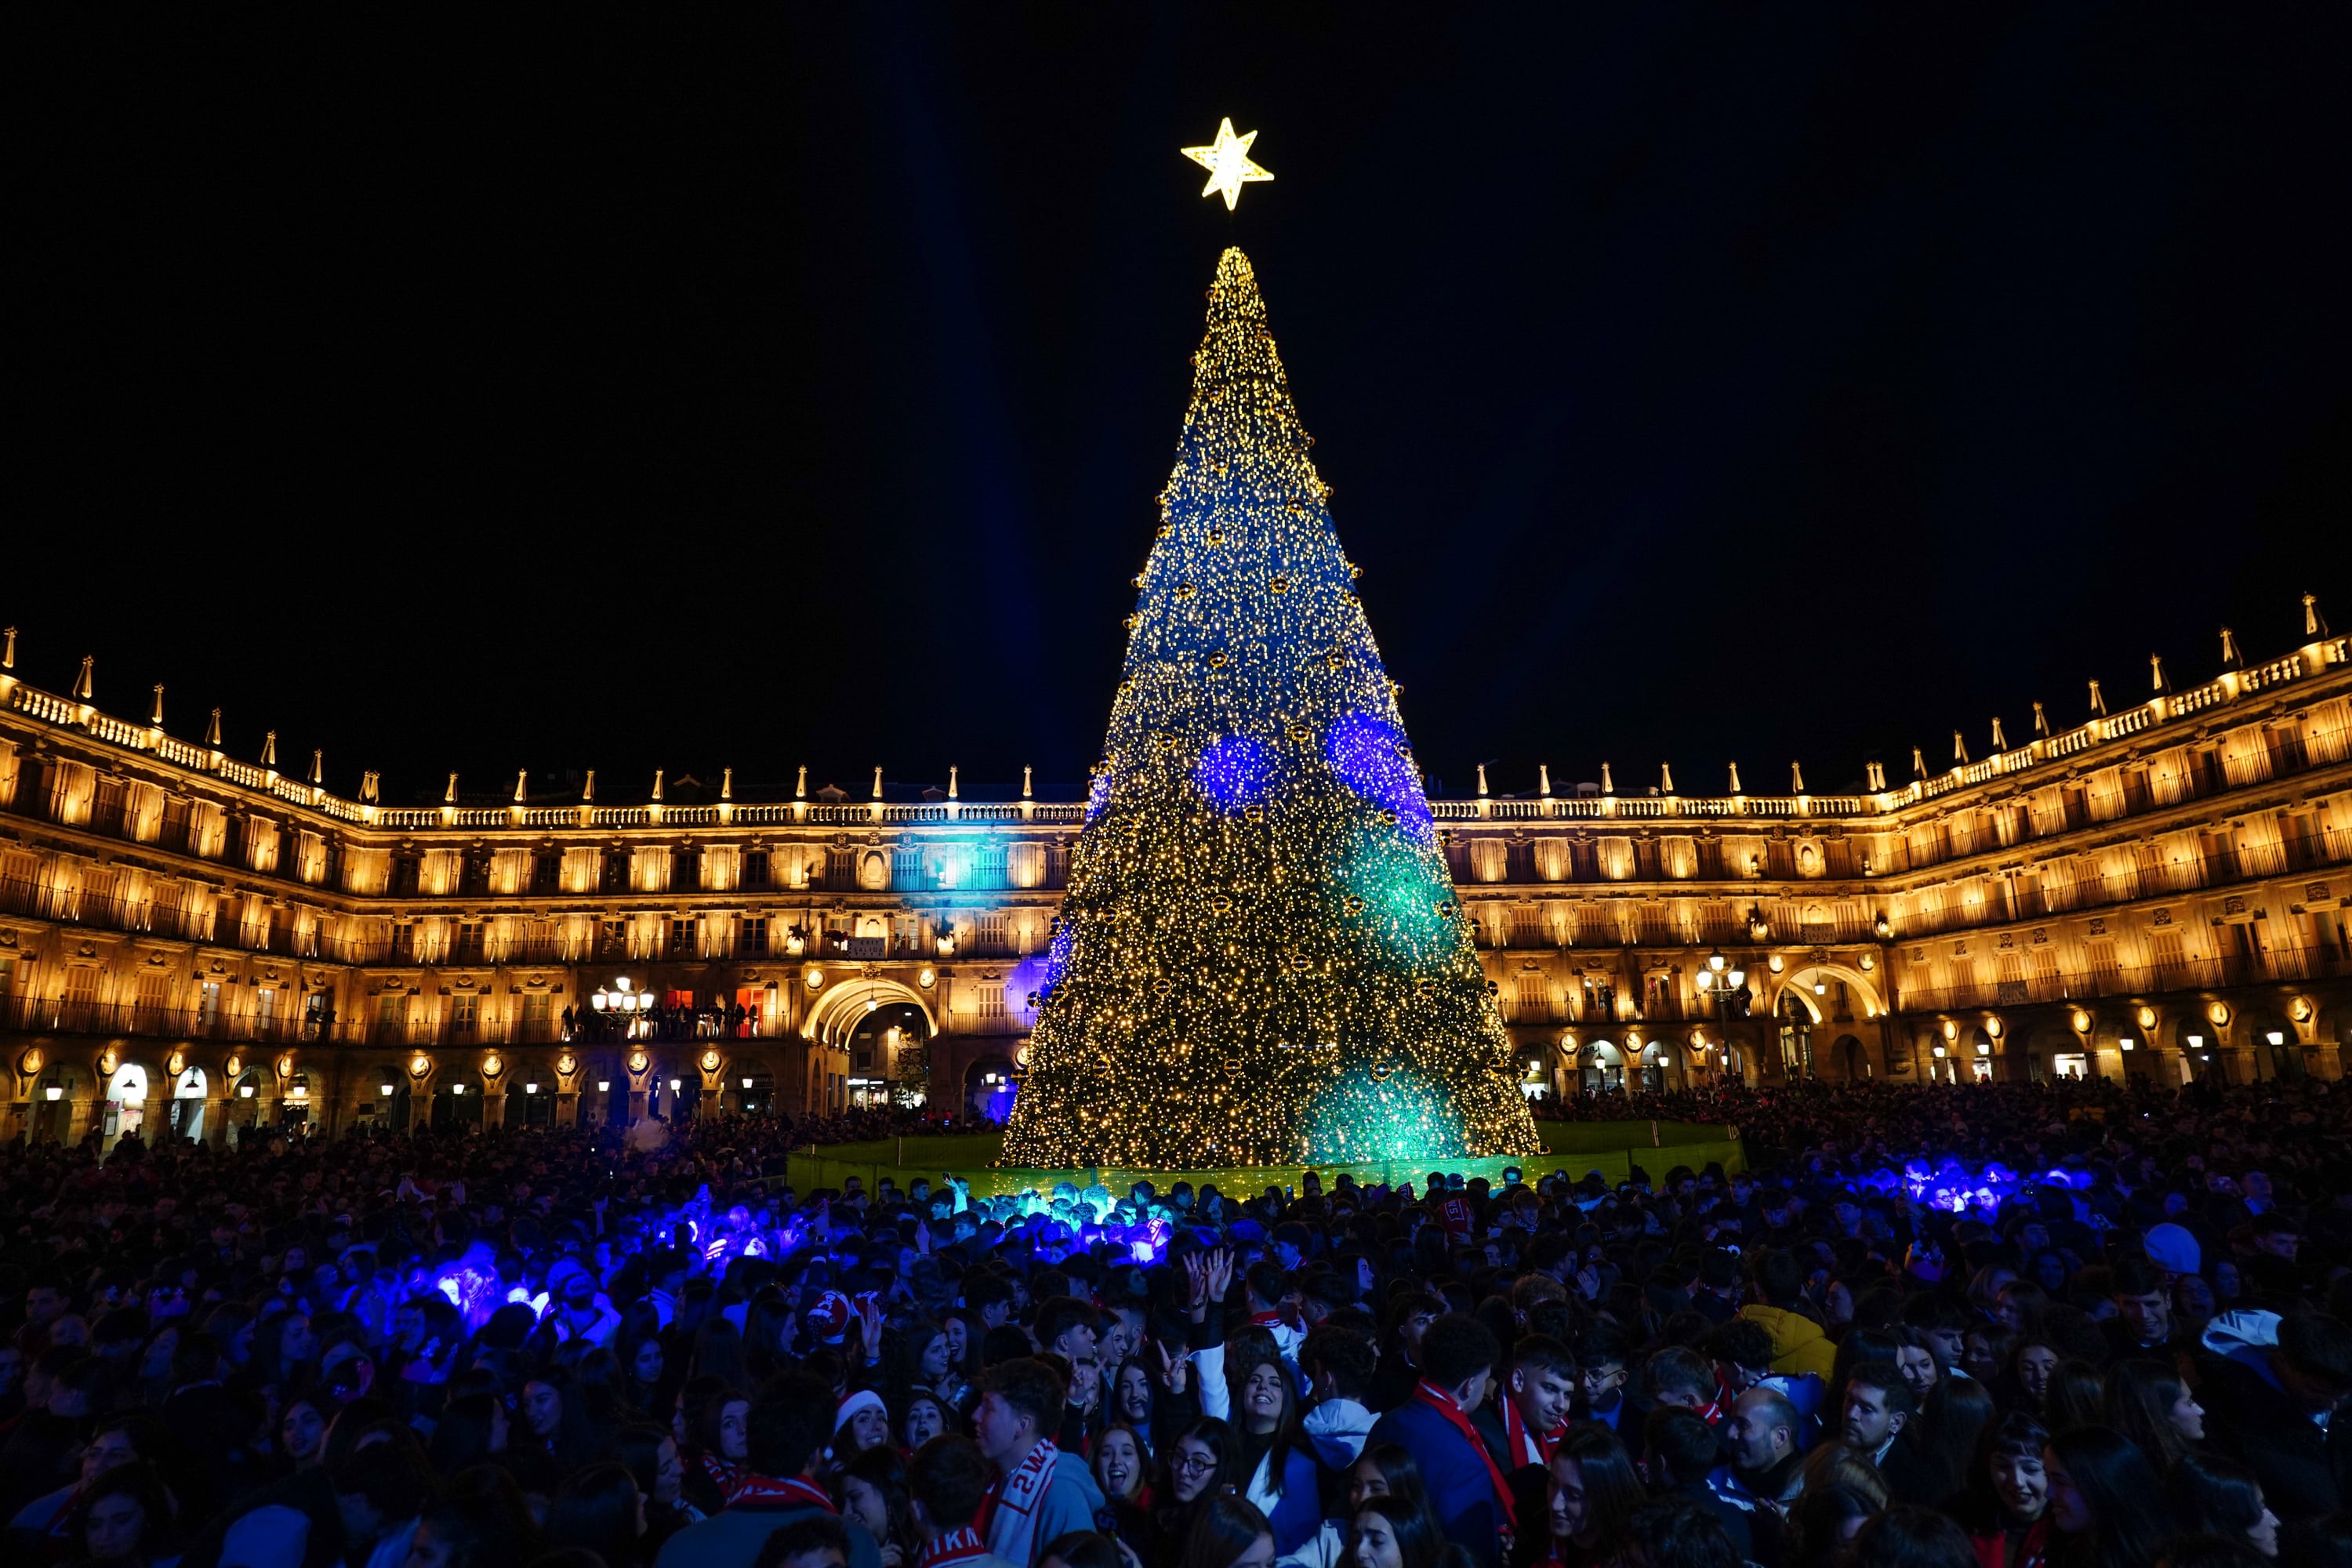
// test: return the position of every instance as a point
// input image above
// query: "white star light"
(1228, 161)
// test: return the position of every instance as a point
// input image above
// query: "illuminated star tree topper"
(1229, 164)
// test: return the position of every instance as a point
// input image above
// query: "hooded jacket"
(1798, 1343)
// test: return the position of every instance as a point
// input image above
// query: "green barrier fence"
(1611, 1148)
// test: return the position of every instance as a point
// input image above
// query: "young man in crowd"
(1040, 1493)
(1467, 1489)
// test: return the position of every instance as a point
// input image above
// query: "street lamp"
(1718, 981)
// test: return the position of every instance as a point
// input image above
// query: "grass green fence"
(1612, 1148)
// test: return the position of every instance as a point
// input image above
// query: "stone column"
(567, 1111)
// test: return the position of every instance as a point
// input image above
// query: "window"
(469, 942)
(208, 1004)
(755, 868)
(547, 872)
(265, 1011)
(988, 931)
(390, 1016)
(683, 936)
(754, 938)
(535, 1015)
(1535, 1003)
(318, 1013)
(991, 1000)
(152, 993)
(464, 1013)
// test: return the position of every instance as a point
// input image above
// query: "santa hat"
(828, 1317)
(864, 1399)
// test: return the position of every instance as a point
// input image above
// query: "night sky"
(1697, 383)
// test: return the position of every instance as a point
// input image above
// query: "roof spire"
(1918, 765)
(2098, 702)
(1608, 785)
(657, 783)
(1482, 778)
(2041, 722)
(951, 780)
(8, 642)
(85, 686)
(449, 795)
(1543, 778)
(370, 787)
(2157, 682)
(1999, 741)
(1960, 749)
(155, 718)
(727, 784)
(1026, 791)
(588, 790)
(2230, 659)
(1665, 778)
(2315, 624)
(522, 781)
(318, 767)
(269, 750)
(1735, 780)
(1795, 778)
(212, 731)
(877, 784)
(800, 790)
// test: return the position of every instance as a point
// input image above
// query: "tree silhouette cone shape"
(1260, 960)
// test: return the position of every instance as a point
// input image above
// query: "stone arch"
(1852, 1061)
(1862, 986)
(2277, 1044)
(834, 1016)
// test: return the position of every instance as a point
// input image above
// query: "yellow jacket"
(1798, 1343)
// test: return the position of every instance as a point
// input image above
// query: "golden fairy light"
(1260, 959)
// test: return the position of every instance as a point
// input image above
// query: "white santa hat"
(864, 1399)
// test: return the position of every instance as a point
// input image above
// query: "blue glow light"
(1097, 796)
(1032, 976)
(1366, 751)
(1233, 771)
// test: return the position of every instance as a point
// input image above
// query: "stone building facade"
(192, 941)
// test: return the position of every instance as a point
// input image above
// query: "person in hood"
(1798, 1344)
(2272, 1388)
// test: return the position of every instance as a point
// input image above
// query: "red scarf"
(1518, 1439)
(722, 1475)
(766, 1491)
(952, 1547)
(1437, 1399)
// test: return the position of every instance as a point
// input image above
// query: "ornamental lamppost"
(621, 1006)
(1721, 982)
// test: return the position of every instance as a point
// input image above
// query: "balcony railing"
(2278, 963)
(69, 1015)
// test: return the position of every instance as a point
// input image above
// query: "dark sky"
(1697, 383)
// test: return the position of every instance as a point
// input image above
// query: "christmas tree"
(1261, 959)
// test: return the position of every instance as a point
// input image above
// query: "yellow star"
(1228, 162)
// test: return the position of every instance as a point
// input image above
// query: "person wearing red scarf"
(788, 1430)
(1467, 1489)
(1524, 1421)
(947, 1482)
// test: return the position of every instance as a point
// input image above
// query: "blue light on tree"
(1235, 771)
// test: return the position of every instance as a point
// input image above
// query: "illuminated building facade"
(193, 942)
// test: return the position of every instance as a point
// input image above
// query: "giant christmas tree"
(1261, 959)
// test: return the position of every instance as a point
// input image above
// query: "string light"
(1260, 959)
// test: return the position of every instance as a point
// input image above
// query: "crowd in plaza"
(2126, 1345)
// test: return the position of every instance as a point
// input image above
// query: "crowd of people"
(562, 1348)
